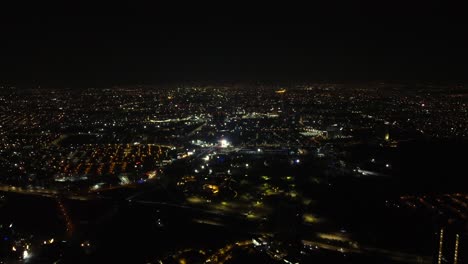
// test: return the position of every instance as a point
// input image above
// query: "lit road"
(32, 191)
(394, 255)
(199, 128)
(43, 192)
(110, 188)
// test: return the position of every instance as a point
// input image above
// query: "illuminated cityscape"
(265, 163)
(160, 138)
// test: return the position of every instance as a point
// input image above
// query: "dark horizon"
(154, 45)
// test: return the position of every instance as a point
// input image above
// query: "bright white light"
(247, 165)
(259, 150)
(25, 254)
(255, 242)
(206, 158)
(224, 143)
(297, 161)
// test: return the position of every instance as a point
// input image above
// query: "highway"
(44, 192)
(394, 255)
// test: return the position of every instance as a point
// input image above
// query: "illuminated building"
(450, 248)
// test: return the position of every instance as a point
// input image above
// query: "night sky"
(75, 46)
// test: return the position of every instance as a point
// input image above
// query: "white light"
(224, 143)
(247, 165)
(25, 254)
(255, 242)
(297, 161)
(259, 150)
(207, 158)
